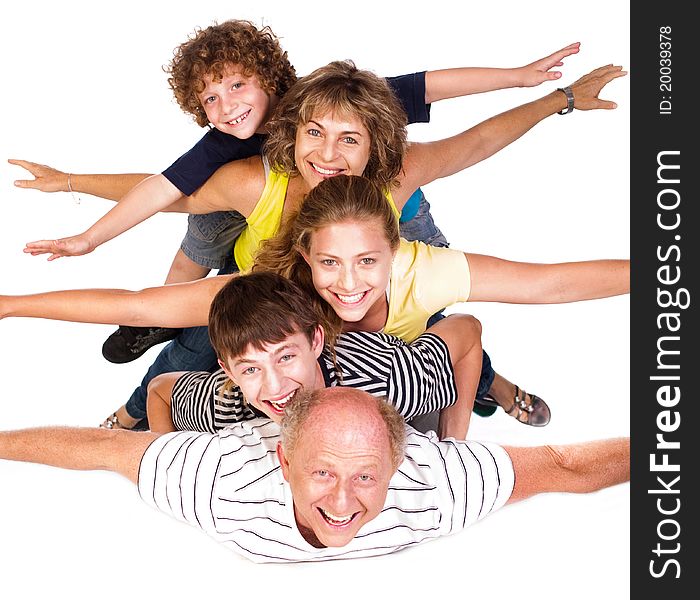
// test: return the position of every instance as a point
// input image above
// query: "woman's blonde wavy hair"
(340, 199)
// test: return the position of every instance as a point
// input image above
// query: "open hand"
(540, 70)
(587, 88)
(76, 245)
(46, 179)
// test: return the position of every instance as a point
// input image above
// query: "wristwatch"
(569, 100)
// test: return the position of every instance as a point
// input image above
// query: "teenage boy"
(229, 77)
(271, 344)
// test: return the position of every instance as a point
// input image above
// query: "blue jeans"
(191, 350)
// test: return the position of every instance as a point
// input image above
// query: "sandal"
(113, 422)
(535, 413)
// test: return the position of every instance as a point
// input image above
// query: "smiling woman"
(310, 131)
(339, 119)
(331, 145)
(350, 263)
(342, 120)
(144, 129)
(343, 247)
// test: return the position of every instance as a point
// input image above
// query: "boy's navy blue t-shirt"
(215, 149)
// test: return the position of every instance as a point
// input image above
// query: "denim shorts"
(209, 239)
(422, 227)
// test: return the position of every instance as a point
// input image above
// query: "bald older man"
(344, 476)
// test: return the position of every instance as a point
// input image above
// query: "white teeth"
(280, 404)
(323, 171)
(240, 119)
(335, 520)
(351, 299)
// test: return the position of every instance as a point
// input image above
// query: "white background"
(83, 90)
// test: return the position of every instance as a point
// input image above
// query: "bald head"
(346, 414)
(340, 448)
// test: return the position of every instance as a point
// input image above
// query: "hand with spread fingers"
(540, 71)
(46, 179)
(587, 88)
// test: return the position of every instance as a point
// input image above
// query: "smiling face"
(329, 145)
(236, 104)
(270, 377)
(339, 472)
(351, 266)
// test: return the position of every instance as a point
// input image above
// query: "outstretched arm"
(48, 179)
(452, 83)
(497, 280)
(576, 468)
(153, 194)
(176, 305)
(156, 193)
(83, 449)
(426, 162)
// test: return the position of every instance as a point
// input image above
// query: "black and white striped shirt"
(416, 378)
(230, 485)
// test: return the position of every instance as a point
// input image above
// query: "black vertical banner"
(665, 365)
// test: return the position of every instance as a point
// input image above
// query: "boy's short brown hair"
(213, 50)
(258, 309)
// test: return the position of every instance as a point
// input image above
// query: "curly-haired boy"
(229, 77)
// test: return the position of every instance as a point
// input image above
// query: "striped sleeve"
(422, 378)
(416, 378)
(468, 480)
(191, 402)
(178, 475)
(203, 401)
(479, 478)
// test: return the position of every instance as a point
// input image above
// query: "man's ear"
(318, 341)
(223, 365)
(283, 461)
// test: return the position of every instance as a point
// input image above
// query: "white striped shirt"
(230, 485)
(416, 378)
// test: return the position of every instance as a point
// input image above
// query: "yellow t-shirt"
(265, 220)
(424, 280)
